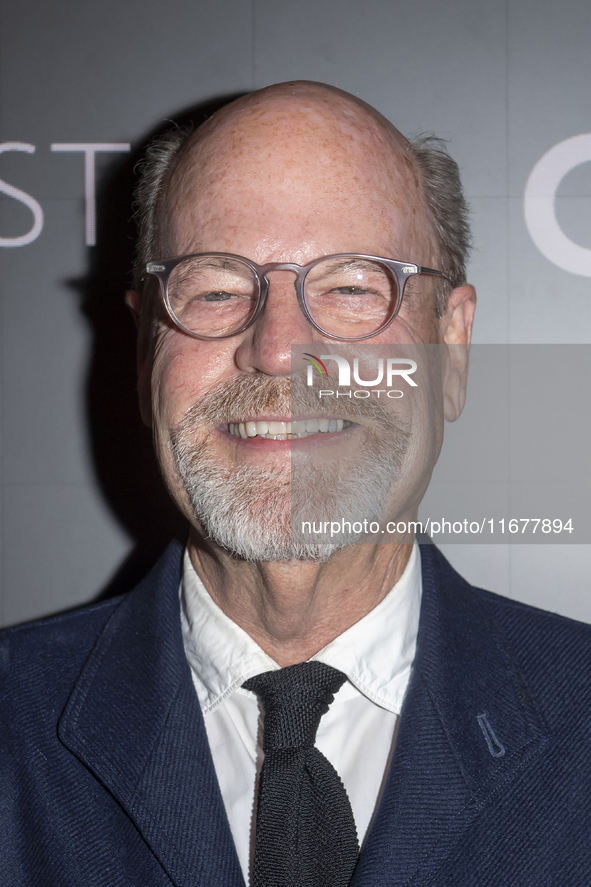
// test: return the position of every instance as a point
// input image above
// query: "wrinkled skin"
(288, 174)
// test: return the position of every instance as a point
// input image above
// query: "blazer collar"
(467, 729)
(134, 720)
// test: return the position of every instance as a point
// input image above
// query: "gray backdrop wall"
(82, 86)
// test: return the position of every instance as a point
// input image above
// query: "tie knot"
(294, 699)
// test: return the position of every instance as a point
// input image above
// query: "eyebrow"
(212, 261)
(352, 264)
(218, 263)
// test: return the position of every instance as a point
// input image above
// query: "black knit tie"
(305, 831)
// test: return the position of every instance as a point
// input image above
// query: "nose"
(266, 346)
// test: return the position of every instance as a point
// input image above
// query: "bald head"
(311, 152)
(321, 97)
(304, 104)
(298, 116)
(304, 144)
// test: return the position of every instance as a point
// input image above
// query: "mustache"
(245, 397)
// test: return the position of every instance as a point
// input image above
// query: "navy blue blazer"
(106, 778)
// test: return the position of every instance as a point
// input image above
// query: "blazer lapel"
(135, 722)
(467, 729)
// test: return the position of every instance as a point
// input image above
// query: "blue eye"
(217, 297)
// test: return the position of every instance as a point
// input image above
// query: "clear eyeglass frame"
(402, 271)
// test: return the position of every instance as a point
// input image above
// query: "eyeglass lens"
(346, 297)
(349, 297)
(211, 295)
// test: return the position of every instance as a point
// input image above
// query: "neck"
(292, 609)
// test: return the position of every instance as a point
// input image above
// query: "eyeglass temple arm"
(423, 270)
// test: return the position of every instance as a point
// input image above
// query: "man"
(455, 750)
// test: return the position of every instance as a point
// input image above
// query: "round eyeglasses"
(346, 296)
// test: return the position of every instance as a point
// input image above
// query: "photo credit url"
(485, 527)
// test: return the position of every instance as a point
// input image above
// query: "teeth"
(286, 430)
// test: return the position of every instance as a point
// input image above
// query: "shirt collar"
(376, 653)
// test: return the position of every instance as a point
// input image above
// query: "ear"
(133, 300)
(456, 332)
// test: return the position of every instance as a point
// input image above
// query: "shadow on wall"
(124, 462)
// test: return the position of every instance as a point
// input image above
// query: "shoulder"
(514, 614)
(39, 661)
(551, 653)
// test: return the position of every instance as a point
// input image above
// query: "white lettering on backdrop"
(90, 150)
(539, 204)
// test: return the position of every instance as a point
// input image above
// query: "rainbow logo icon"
(315, 361)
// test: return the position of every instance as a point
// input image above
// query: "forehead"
(286, 169)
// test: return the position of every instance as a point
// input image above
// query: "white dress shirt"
(356, 734)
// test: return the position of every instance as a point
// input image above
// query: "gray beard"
(257, 514)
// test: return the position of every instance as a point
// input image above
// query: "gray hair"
(447, 207)
(439, 176)
(155, 170)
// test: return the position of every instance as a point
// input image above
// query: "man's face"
(290, 182)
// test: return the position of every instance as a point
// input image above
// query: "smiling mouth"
(294, 430)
